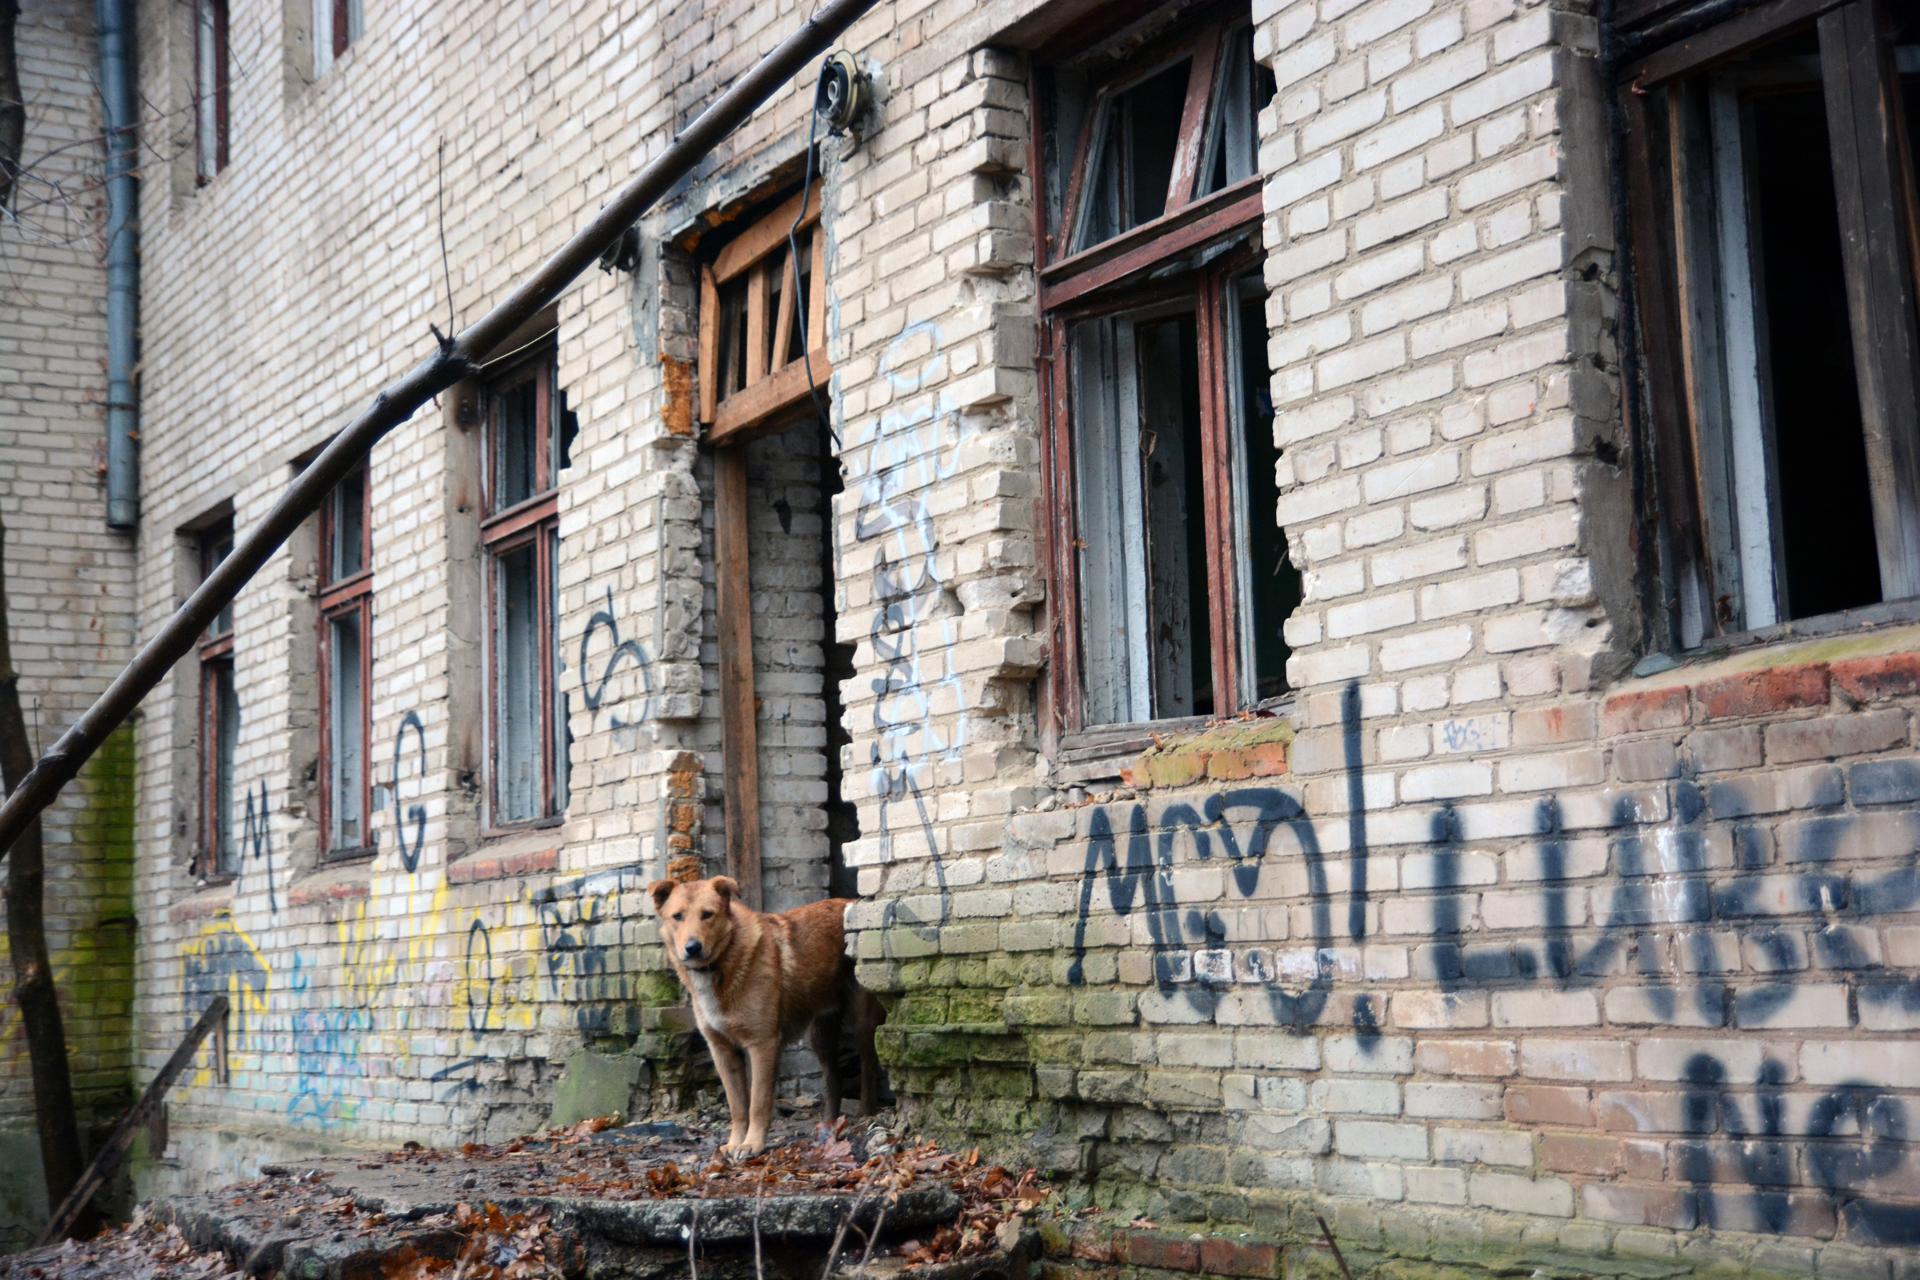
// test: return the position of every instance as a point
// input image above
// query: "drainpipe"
(112, 17)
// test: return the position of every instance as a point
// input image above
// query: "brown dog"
(757, 981)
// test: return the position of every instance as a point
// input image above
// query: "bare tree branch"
(13, 106)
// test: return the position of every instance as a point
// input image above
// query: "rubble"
(594, 1200)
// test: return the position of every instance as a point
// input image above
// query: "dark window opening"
(1771, 172)
(1138, 137)
(1173, 580)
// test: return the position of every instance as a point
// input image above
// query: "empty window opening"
(1137, 136)
(1774, 228)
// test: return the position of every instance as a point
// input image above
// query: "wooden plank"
(1660, 328)
(759, 293)
(1216, 451)
(108, 1158)
(733, 610)
(1151, 242)
(783, 317)
(764, 236)
(709, 344)
(1721, 42)
(745, 413)
(1703, 359)
(815, 338)
(1193, 119)
(1873, 189)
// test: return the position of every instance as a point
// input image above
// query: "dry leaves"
(495, 1246)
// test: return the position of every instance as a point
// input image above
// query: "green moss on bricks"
(596, 1084)
(657, 989)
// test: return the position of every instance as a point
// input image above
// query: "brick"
(1549, 1104)
(1894, 675)
(1643, 711)
(1547, 1196)
(1765, 692)
(1669, 1207)
(1833, 736)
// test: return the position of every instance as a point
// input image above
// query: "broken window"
(1771, 171)
(763, 332)
(336, 24)
(1177, 578)
(218, 854)
(346, 667)
(529, 436)
(211, 86)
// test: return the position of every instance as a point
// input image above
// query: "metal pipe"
(123, 265)
(454, 360)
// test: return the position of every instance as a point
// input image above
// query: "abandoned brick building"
(1338, 576)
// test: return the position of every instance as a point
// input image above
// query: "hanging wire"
(793, 256)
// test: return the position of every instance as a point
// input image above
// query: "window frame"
(215, 653)
(1879, 214)
(336, 25)
(212, 89)
(772, 389)
(1078, 284)
(533, 520)
(340, 598)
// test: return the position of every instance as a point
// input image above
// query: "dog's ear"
(661, 891)
(726, 888)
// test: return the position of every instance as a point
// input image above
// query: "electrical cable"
(793, 256)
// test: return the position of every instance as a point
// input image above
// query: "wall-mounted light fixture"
(843, 93)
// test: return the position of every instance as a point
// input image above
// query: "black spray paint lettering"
(594, 693)
(479, 977)
(256, 839)
(415, 813)
(1857, 1130)
(583, 934)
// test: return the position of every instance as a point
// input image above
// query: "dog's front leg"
(733, 1078)
(763, 1059)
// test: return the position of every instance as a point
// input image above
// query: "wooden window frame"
(773, 394)
(338, 599)
(772, 389)
(215, 653)
(532, 521)
(214, 82)
(1879, 217)
(1099, 279)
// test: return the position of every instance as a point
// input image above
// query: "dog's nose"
(693, 948)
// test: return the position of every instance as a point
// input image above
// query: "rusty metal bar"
(455, 359)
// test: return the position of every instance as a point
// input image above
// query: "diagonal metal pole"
(453, 360)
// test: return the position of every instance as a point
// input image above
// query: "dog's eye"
(706, 915)
(679, 915)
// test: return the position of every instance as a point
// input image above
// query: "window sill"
(1863, 624)
(1767, 673)
(342, 881)
(1170, 753)
(208, 900)
(502, 855)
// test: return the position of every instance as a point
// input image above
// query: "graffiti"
(594, 693)
(1853, 1133)
(256, 840)
(329, 1066)
(584, 942)
(916, 694)
(222, 960)
(477, 993)
(415, 813)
